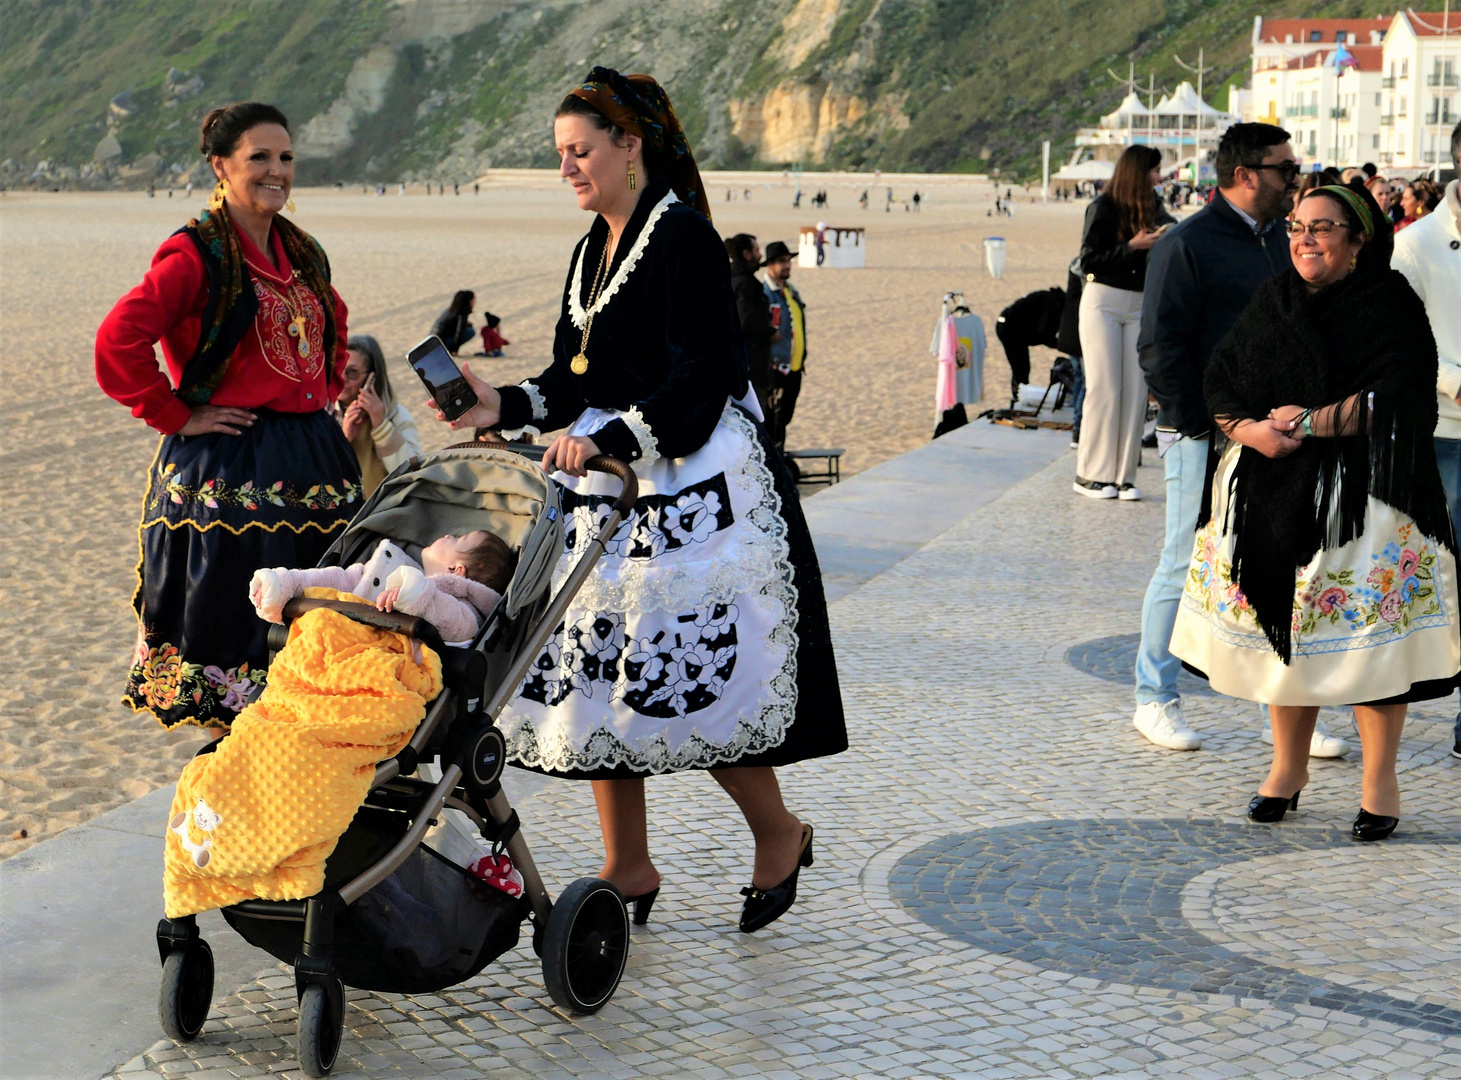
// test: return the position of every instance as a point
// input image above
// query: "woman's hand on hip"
(486, 413)
(224, 419)
(569, 453)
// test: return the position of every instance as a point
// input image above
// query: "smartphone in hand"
(438, 370)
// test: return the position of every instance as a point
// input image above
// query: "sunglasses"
(1319, 227)
(1289, 170)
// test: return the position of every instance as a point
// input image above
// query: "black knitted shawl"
(1366, 334)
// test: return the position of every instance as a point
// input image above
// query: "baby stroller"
(394, 915)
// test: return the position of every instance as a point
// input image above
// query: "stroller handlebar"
(598, 463)
(366, 615)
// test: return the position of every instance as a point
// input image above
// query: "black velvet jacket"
(1107, 259)
(667, 342)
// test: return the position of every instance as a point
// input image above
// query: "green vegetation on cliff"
(939, 84)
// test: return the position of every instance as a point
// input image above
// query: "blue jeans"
(1079, 404)
(1156, 668)
(1448, 457)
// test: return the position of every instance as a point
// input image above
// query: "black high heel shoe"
(765, 906)
(641, 905)
(1268, 808)
(1368, 826)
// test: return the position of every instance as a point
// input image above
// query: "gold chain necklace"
(579, 364)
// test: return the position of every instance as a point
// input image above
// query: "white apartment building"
(1395, 106)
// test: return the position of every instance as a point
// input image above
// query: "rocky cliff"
(109, 91)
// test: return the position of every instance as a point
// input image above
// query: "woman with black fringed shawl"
(1324, 571)
(251, 471)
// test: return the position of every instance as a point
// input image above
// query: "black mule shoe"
(765, 906)
(641, 905)
(1368, 826)
(1267, 808)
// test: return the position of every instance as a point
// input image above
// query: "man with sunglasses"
(1428, 253)
(1200, 276)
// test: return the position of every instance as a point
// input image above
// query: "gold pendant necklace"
(297, 323)
(579, 364)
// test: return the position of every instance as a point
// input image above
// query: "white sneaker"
(1161, 723)
(1128, 493)
(1094, 489)
(1321, 743)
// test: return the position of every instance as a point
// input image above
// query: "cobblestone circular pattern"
(1114, 659)
(1104, 899)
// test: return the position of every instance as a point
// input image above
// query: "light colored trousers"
(1156, 668)
(1115, 404)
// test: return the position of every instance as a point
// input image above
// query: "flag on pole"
(1343, 58)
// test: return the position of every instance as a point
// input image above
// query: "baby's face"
(444, 554)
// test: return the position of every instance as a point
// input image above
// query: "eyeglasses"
(1320, 227)
(1289, 170)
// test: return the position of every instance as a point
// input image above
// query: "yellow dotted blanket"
(259, 816)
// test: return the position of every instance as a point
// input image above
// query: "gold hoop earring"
(633, 179)
(220, 192)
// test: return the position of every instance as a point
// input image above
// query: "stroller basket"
(427, 926)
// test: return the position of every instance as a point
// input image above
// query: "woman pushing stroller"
(701, 641)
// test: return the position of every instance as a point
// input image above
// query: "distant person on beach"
(705, 643)
(1121, 226)
(252, 471)
(917, 199)
(381, 430)
(454, 325)
(1201, 276)
(492, 339)
(1427, 256)
(789, 342)
(754, 310)
(862, 202)
(1033, 319)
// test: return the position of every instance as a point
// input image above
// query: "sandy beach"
(72, 461)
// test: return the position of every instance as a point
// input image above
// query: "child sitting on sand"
(455, 586)
(492, 339)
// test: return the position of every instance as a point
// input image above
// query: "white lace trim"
(602, 749)
(575, 283)
(535, 399)
(648, 445)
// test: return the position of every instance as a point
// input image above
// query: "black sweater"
(1202, 274)
(1105, 258)
(668, 342)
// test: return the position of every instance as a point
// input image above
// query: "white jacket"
(1428, 253)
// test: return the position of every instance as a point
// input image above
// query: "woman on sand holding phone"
(251, 470)
(1122, 224)
(380, 428)
(701, 640)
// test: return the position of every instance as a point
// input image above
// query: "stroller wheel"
(321, 1025)
(186, 991)
(586, 945)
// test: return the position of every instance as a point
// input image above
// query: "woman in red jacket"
(251, 470)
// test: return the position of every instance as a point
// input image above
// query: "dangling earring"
(289, 204)
(220, 192)
(1354, 260)
(633, 180)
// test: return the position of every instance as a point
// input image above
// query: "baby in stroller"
(455, 586)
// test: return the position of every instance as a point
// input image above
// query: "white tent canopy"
(1087, 170)
(1129, 109)
(1184, 99)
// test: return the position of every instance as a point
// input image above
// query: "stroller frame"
(582, 940)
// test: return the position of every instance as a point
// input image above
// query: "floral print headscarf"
(640, 106)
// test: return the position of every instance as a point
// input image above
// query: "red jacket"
(266, 371)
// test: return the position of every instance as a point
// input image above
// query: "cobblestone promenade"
(1009, 881)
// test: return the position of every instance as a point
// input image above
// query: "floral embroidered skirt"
(701, 640)
(1374, 622)
(217, 508)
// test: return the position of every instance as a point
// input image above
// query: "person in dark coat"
(1033, 319)
(1068, 341)
(454, 325)
(754, 308)
(1202, 274)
